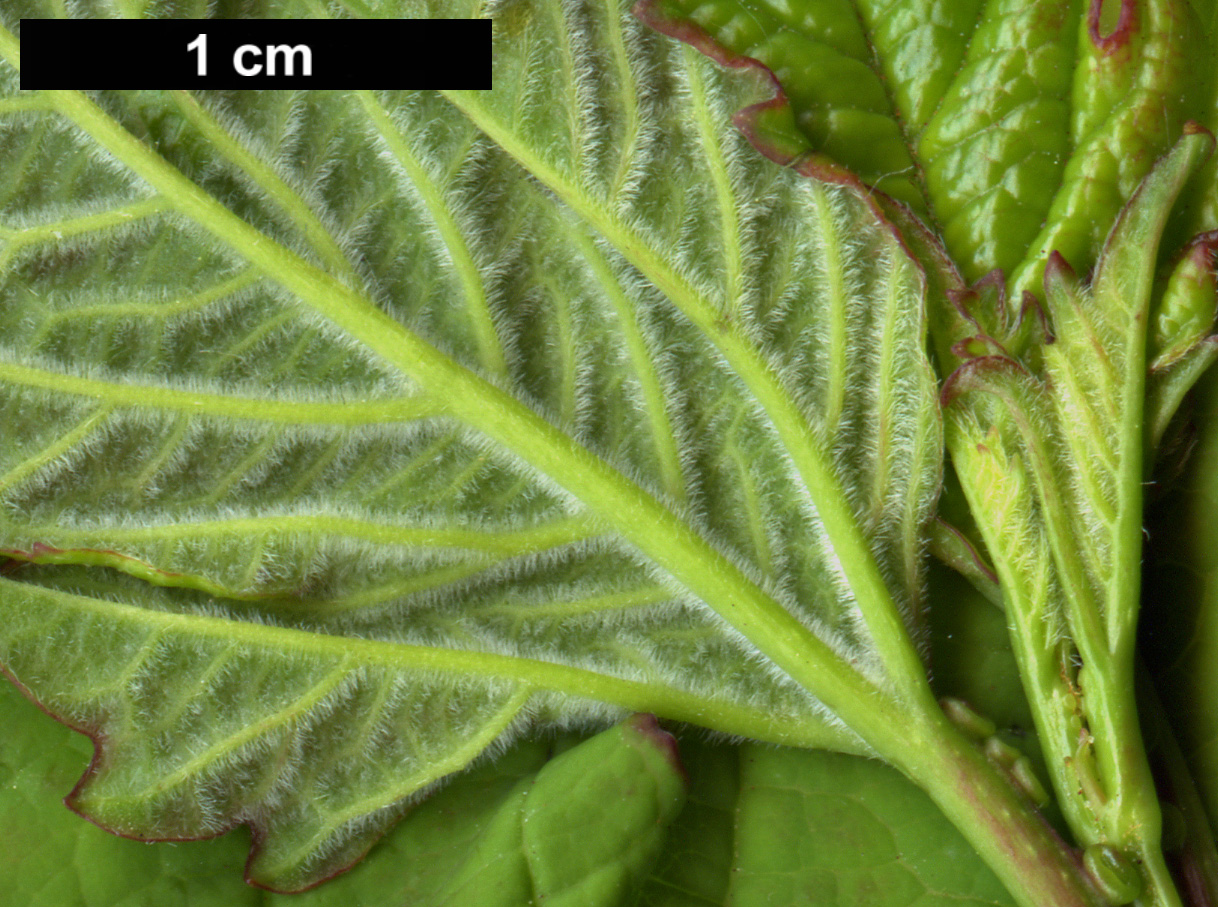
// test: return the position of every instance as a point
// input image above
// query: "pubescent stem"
(1037, 867)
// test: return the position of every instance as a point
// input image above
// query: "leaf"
(1013, 129)
(585, 831)
(52, 859)
(55, 860)
(1048, 440)
(1051, 460)
(770, 825)
(351, 436)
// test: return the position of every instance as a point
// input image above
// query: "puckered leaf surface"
(1014, 129)
(348, 435)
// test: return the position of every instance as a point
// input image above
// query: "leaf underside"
(900, 845)
(350, 435)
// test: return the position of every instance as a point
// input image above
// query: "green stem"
(1035, 865)
(1195, 858)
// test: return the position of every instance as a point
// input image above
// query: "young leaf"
(1013, 129)
(1049, 447)
(1052, 464)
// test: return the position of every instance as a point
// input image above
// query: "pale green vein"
(453, 760)
(62, 445)
(254, 455)
(169, 717)
(424, 458)
(121, 682)
(307, 476)
(22, 104)
(469, 471)
(1082, 609)
(158, 309)
(270, 182)
(629, 103)
(407, 659)
(863, 574)
(1098, 354)
(917, 496)
(658, 533)
(143, 478)
(708, 122)
(885, 390)
(286, 367)
(427, 581)
(19, 162)
(249, 733)
(837, 341)
(234, 352)
(578, 127)
(1068, 379)
(642, 360)
(254, 553)
(22, 237)
(477, 304)
(753, 512)
(503, 541)
(159, 397)
(579, 607)
(566, 349)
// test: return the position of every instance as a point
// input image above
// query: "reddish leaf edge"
(1122, 31)
(646, 726)
(72, 801)
(920, 243)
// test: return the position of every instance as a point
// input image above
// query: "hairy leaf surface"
(52, 859)
(349, 435)
(55, 860)
(1015, 129)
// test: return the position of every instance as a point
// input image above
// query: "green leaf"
(585, 831)
(348, 437)
(768, 825)
(414, 862)
(53, 859)
(1051, 460)
(1014, 129)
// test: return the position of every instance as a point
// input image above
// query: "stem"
(1195, 862)
(1037, 867)
(1133, 819)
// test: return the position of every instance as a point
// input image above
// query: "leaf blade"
(452, 519)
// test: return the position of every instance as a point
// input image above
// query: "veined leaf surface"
(349, 435)
(1014, 129)
(894, 833)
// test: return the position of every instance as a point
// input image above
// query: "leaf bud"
(978, 727)
(1024, 775)
(1185, 312)
(1002, 754)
